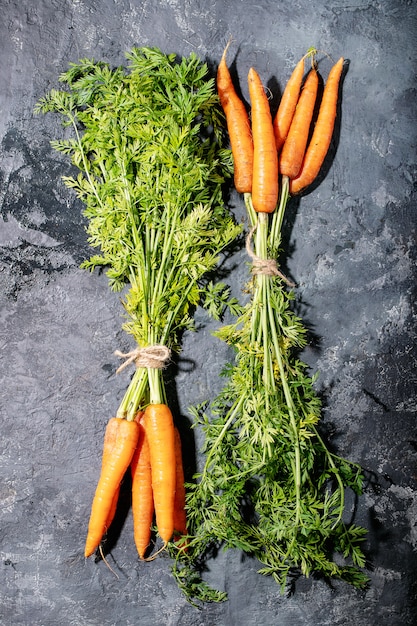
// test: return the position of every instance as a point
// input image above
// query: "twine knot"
(266, 267)
(153, 357)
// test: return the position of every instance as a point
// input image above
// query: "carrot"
(113, 509)
(180, 517)
(119, 445)
(142, 497)
(287, 105)
(109, 440)
(294, 147)
(238, 127)
(159, 428)
(265, 158)
(323, 131)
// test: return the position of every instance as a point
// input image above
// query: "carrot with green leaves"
(142, 496)
(323, 131)
(159, 427)
(238, 127)
(119, 445)
(265, 159)
(295, 144)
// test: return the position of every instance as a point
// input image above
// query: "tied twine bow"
(153, 357)
(267, 267)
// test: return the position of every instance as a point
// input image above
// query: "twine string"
(266, 267)
(153, 357)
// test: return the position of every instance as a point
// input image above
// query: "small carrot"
(180, 517)
(287, 105)
(238, 127)
(323, 131)
(159, 428)
(109, 441)
(294, 147)
(265, 158)
(118, 448)
(142, 497)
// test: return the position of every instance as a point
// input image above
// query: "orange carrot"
(296, 142)
(159, 428)
(118, 448)
(287, 105)
(142, 497)
(265, 159)
(180, 517)
(109, 441)
(113, 509)
(238, 127)
(323, 131)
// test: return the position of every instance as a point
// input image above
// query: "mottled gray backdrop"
(351, 247)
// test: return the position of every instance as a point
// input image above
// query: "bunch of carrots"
(269, 485)
(150, 180)
(265, 149)
(161, 233)
(151, 446)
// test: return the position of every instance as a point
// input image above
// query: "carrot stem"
(278, 218)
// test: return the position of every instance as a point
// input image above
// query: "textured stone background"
(351, 250)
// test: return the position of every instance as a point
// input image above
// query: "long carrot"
(159, 427)
(238, 127)
(109, 441)
(113, 509)
(294, 147)
(142, 497)
(180, 517)
(118, 450)
(287, 105)
(265, 158)
(323, 131)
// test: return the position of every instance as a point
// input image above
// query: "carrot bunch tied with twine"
(149, 145)
(269, 485)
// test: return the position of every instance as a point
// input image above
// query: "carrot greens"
(148, 142)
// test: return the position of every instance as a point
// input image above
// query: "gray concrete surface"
(351, 249)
